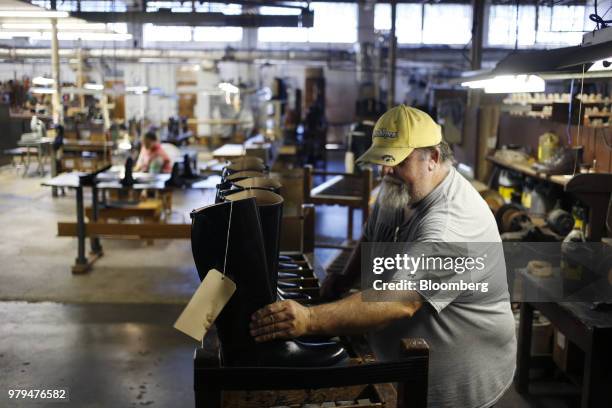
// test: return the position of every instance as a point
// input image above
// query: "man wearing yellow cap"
(423, 200)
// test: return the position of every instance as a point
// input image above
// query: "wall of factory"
(156, 108)
(341, 86)
(20, 70)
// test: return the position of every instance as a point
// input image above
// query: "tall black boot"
(270, 206)
(247, 266)
(244, 166)
(241, 175)
(264, 183)
(257, 183)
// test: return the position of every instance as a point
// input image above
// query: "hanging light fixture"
(42, 81)
(508, 84)
(601, 65)
(47, 91)
(93, 87)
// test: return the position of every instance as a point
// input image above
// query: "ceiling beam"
(195, 19)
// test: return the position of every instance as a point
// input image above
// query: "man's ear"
(434, 158)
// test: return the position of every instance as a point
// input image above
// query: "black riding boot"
(246, 265)
(270, 206)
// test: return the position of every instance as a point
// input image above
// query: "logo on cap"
(387, 158)
(385, 134)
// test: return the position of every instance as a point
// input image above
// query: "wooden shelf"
(593, 189)
(527, 170)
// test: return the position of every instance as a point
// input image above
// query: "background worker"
(152, 157)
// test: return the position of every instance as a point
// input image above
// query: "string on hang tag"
(229, 225)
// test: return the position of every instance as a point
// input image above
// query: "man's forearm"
(353, 315)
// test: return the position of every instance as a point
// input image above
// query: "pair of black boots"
(285, 287)
(240, 237)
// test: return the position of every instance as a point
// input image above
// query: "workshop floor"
(107, 335)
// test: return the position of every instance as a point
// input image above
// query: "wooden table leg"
(81, 263)
(595, 385)
(41, 167)
(524, 348)
(96, 247)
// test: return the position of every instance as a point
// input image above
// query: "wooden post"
(56, 100)
(308, 228)
(307, 182)
(80, 78)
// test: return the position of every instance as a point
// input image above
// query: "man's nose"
(387, 170)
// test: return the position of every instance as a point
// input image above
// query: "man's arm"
(351, 315)
(141, 162)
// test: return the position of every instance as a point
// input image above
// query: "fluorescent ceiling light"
(34, 13)
(137, 89)
(93, 87)
(42, 81)
(479, 84)
(229, 88)
(601, 65)
(42, 90)
(190, 68)
(508, 84)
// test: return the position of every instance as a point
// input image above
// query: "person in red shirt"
(152, 157)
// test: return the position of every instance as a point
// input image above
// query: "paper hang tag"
(205, 305)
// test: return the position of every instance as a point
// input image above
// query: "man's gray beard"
(393, 193)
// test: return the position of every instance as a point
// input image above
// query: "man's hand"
(334, 286)
(281, 320)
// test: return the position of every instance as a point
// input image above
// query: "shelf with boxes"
(595, 109)
(87, 146)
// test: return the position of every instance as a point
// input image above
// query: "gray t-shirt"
(472, 343)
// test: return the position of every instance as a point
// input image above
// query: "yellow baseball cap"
(397, 133)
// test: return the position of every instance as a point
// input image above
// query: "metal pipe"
(478, 9)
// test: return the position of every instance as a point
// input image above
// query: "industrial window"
(153, 33)
(87, 5)
(281, 34)
(556, 26)
(333, 23)
(447, 24)
(407, 22)
(218, 34)
(117, 27)
(503, 21)
(560, 25)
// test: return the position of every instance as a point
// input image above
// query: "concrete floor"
(107, 335)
